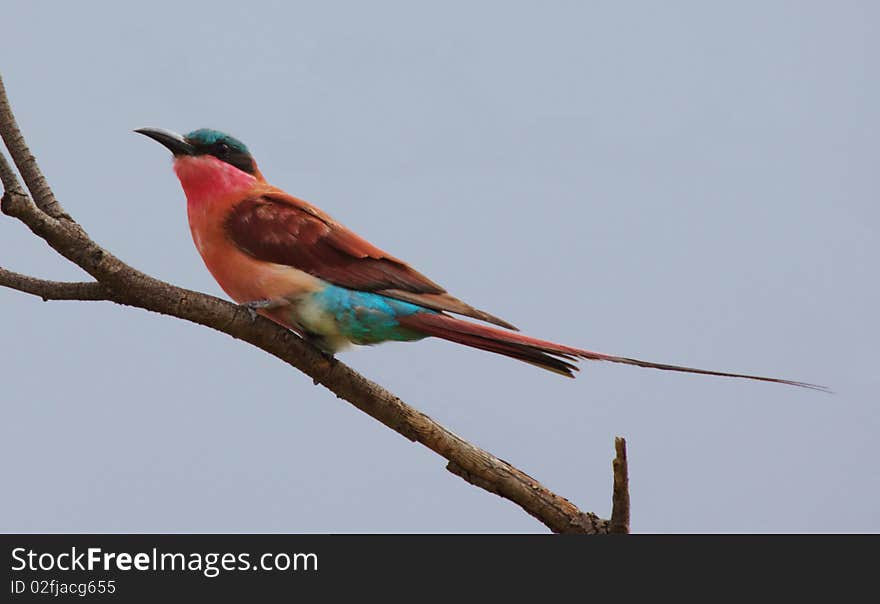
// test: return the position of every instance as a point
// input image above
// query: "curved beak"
(173, 141)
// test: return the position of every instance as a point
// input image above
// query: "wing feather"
(282, 229)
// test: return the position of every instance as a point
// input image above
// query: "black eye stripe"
(232, 156)
(232, 153)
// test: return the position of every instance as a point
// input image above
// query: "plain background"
(688, 182)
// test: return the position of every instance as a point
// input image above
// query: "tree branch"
(620, 497)
(118, 282)
(54, 290)
(24, 160)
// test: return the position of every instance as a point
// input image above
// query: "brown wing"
(283, 229)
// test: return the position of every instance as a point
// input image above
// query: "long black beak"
(173, 141)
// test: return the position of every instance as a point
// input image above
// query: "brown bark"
(620, 497)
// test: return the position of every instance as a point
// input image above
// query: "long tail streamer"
(547, 355)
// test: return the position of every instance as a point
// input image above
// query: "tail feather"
(557, 363)
(547, 355)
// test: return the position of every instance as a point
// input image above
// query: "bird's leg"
(254, 305)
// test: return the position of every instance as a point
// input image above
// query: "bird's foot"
(254, 305)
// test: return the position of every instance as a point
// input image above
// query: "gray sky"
(687, 182)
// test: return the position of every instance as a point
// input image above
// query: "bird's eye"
(222, 148)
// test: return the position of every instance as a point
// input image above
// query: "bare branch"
(566, 517)
(120, 283)
(24, 160)
(54, 290)
(14, 196)
(620, 498)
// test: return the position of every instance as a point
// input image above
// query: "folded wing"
(282, 229)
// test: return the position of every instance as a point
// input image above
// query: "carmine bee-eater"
(286, 259)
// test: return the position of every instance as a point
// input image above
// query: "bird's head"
(207, 158)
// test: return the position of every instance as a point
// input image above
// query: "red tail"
(547, 355)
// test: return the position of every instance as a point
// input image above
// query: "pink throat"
(205, 178)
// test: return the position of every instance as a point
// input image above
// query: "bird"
(281, 257)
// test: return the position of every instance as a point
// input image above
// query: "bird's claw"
(254, 305)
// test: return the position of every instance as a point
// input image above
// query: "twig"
(54, 290)
(25, 161)
(620, 498)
